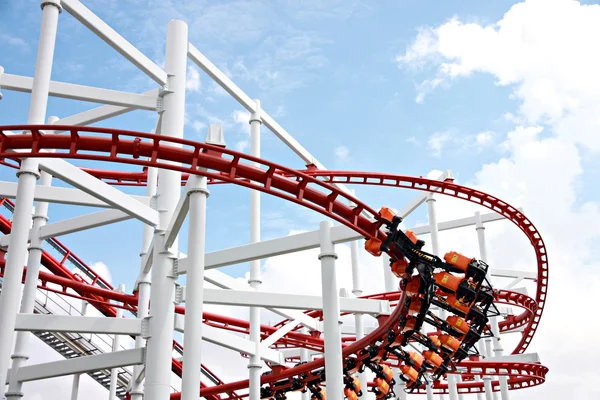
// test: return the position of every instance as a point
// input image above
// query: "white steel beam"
(230, 341)
(279, 333)
(227, 84)
(83, 222)
(459, 223)
(306, 241)
(271, 248)
(179, 215)
(510, 273)
(224, 281)
(80, 365)
(52, 194)
(84, 93)
(78, 324)
(116, 41)
(99, 113)
(291, 301)
(71, 174)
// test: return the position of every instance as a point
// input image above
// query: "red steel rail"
(311, 189)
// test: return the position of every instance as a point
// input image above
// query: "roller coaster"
(442, 317)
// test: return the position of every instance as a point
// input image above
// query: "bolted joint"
(175, 267)
(23, 171)
(55, 3)
(145, 333)
(254, 280)
(36, 247)
(252, 366)
(40, 216)
(204, 191)
(13, 394)
(179, 294)
(328, 255)
(21, 356)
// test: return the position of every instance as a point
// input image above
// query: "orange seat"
(399, 267)
(409, 373)
(447, 280)
(382, 388)
(458, 324)
(416, 358)
(457, 304)
(373, 246)
(387, 214)
(432, 358)
(449, 342)
(458, 260)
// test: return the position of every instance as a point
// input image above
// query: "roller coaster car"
(449, 343)
(280, 396)
(351, 365)
(465, 289)
(382, 372)
(472, 267)
(297, 385)
(394, 339)
(317, 393)
(266, 392)
(432, 360)
(352, 387)
(381, 389)
(457, 325)
(408, 374)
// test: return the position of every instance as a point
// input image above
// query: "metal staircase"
(72, 345)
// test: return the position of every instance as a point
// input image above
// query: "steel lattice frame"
(36, 147)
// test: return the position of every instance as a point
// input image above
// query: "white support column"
(34, 258)
(487, 386)
(359, 319)
(254, 364)
(458, 380)
(480, 396)
(435, 249)
(452, 389)
(75, 386)
(190, 383)
(304, 357)
(160, 343)
(143, 288)
(399, 388)
(27, 176)
(489, 394)
(331, 315)
(112, 391)
(77, 377)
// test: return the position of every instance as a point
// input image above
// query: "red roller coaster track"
(313, 189)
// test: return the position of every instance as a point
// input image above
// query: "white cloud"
(342, 153)
(438, 141)
(484, 138)
(242, 119)
(193, 80)
(14, 41)
(541, 50)
(199, 126)
(540, 47)
(241, 145)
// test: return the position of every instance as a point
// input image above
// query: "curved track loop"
(314, 191)
(521, 375)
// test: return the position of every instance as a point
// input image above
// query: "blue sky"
(327, 70)
(391, 86)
